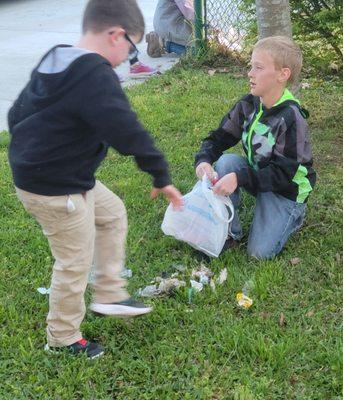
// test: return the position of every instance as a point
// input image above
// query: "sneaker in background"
(124, 309)
(92, 350)
(154, 49)
(139, 69)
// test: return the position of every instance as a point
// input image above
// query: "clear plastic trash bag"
(203, 221)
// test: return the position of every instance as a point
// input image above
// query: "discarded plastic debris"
(43, 290)
(126, 273)
(179, 267)
(204, 279)
(222, 276)
(165, 286)
(248, 287)
(170, 284)
(190, 295)
(197, 286)
(203, 271)
(203, 274)
(243, 300)
(148, 291)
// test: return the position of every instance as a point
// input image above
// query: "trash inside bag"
(204, 220)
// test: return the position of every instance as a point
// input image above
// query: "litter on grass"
(204, 274)
(126, 273)
(43, 290)
(161, 287)
(243, 300)
(222, 276)
(248, 287)
(197, 286)
(179, 267)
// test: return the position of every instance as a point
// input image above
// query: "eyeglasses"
(133, 52)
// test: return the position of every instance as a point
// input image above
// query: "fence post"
(199, 26)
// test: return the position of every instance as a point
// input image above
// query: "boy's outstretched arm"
(107, 113)
(171, 193)
(227, 135)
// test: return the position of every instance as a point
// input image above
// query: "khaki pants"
(80, 228)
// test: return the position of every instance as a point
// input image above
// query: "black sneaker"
(123, 309)
(230, 243)
(92, 350)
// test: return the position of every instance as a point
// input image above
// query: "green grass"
(210, 349)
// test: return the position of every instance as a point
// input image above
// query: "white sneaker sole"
(118, 310)
(142, 74)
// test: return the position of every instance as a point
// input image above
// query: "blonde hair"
(285, 53)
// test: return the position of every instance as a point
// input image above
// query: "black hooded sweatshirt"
(72, 109)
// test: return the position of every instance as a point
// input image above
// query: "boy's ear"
(115, 33)
(285, 74)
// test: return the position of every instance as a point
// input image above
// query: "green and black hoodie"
(275, 141)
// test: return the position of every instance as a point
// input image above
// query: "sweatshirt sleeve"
(107, 111)
(227, 135)
(291, 160)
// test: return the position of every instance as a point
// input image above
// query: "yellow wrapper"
(243, 300)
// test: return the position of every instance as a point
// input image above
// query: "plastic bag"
(204, 220)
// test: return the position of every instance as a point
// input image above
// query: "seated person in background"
(173, 24)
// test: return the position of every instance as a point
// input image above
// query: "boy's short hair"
(100, 15)
(285, 52)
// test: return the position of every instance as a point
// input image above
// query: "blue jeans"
(275, 216)
(172, 47)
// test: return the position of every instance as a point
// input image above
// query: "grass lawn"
(210, 349)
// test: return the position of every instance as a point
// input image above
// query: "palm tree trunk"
(273, 18)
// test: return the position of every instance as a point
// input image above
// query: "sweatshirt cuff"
(161, 181)
(200, 160)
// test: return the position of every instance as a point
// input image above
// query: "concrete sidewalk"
(28, 28)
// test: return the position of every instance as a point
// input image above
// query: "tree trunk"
(273, 18)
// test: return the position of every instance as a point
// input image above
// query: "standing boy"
(70, 112)
(277, 167)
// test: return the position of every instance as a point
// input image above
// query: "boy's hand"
(226, 185)
(171, 193)
(205, 168)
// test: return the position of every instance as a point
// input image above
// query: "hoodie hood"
(58, 71)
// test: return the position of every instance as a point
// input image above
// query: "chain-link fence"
(227, 24)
